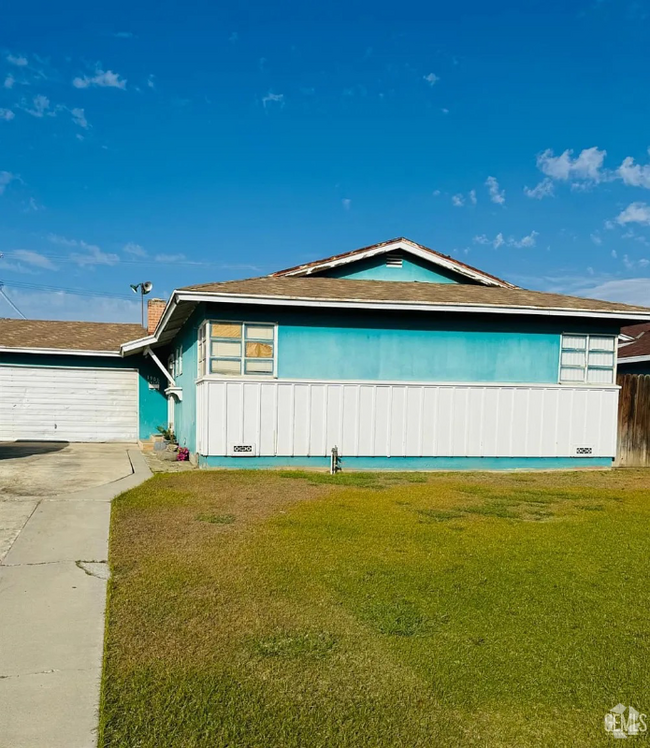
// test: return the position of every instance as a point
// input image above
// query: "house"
(398, 356)
(634, 349)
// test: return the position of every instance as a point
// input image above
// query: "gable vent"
(394, 260)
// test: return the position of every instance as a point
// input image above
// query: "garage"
(74, 404)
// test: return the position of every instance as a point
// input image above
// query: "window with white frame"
(237, 348)
(588, 358)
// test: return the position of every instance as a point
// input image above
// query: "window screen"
(588, 358)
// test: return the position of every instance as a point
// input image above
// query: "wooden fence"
(633, 420)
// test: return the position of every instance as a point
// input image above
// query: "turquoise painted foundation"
(410, 463)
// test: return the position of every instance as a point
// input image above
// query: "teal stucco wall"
(363, 345)
(152, 402)
(413, 269)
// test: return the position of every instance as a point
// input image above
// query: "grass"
(385, 610)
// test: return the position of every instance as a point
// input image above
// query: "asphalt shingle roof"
(452, 294)
(77, 336)
(640, 346)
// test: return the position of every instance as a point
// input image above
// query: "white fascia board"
(60, 352)
(406, 247)
(406, 306)
(133, 346)
(633, 360)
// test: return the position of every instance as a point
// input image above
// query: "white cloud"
(587, 165)
(633, 174)
(628, 291)
(436, 193)
(525, 241)
(65, 306)
(444, 111)
(6, 178)
(17, 60)
(34, 259)
(134, 249)
(151, 82)
(7, 115)
(614, 253)
(596, 238)
(170, 258)
(496, 195)
(272, 98)
(90, 255)
(102, 78)
(472, 197)
(123, 35)
(634, 213)
(9, 81)
(458, 201)
(541, 190)
(40, 107)
(346, 203)
(79, 118)
(431, 79)
(499, 240)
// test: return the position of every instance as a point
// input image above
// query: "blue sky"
(186, 143)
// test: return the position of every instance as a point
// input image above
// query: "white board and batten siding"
(291, 418)
(68, 404)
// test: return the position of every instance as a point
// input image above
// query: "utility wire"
(75, 291)
(9, 301)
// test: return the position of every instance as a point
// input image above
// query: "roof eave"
(135, 346)
(634, 359)
(58, 351)
(208, 296)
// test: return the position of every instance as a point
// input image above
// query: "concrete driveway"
(54, 522)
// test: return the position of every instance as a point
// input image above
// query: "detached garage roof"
(52, 336)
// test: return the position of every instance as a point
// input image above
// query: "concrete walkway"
(52, 605)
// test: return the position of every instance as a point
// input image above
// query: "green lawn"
(292, 609)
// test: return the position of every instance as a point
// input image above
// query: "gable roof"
(378, 295)
(54, 336)
(393, 245)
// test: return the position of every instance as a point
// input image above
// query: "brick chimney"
(155, 308)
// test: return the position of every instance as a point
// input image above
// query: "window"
(588, 358)
(236, 348)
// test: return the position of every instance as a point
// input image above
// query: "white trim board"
(60, 352)
(633, 360)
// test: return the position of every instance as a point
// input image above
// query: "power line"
(9, 301)
(74, 291)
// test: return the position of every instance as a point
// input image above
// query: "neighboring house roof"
(639, 347)
(401, 244)
(52, 336)
(379, 295)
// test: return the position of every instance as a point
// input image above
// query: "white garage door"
(61, 404)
